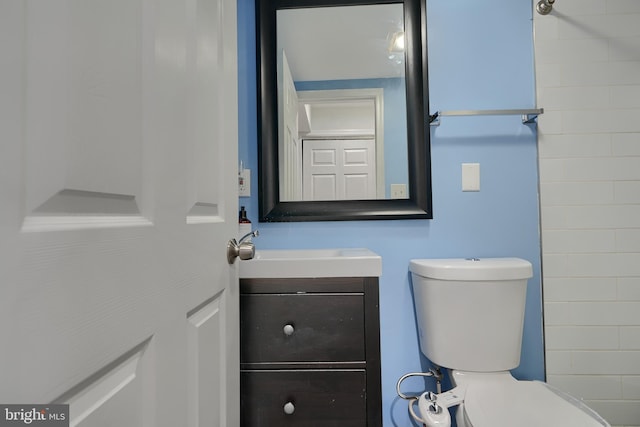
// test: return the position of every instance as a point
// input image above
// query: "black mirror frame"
(418, 205)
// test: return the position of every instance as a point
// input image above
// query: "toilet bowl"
(499, 400)
(470, 315)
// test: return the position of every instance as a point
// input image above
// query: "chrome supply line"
(434, 372)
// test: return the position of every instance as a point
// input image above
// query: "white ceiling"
(347, 42)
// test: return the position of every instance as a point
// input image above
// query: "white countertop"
(341, 262)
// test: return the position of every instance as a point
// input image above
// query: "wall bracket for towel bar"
(528, 115)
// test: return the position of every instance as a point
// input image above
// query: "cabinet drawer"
(302, 327)
(316, 397)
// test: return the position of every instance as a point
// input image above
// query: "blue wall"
(479, 58)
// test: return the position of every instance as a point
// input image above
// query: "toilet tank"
(470, 312)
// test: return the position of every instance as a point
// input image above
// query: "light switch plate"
(471, 177)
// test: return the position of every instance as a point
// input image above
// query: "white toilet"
(470, 316)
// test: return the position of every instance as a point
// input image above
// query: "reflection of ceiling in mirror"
(346, 42)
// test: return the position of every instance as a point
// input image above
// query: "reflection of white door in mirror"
(290, 153)
(335, 169)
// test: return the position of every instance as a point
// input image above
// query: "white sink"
(274, 263)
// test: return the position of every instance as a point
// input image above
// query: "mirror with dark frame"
(298, 104)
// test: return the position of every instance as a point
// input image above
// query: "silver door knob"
(244, 250)
(288, 330)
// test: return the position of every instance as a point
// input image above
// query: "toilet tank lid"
(472, 269)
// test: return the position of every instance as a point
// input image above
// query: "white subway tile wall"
(588, 81)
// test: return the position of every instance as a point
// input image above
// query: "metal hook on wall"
(544, 7)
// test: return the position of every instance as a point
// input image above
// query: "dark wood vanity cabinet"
(310, 352)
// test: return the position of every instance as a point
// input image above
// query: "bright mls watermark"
(52, 415)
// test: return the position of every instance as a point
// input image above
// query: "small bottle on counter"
(244, 224)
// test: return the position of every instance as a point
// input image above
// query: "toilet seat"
(525, 404)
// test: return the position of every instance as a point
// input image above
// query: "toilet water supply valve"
(433, 407)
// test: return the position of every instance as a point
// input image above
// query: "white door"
(118, 153)
(339, 169)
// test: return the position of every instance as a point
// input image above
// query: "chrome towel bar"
(529, 115)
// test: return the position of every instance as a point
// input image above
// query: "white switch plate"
(471, 177)
(244, 183)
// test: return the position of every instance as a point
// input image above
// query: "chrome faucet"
(254, 233)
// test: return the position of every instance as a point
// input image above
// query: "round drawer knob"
(289, 408)
(288, 329)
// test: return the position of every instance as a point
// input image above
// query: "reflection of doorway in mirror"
(348, 123)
